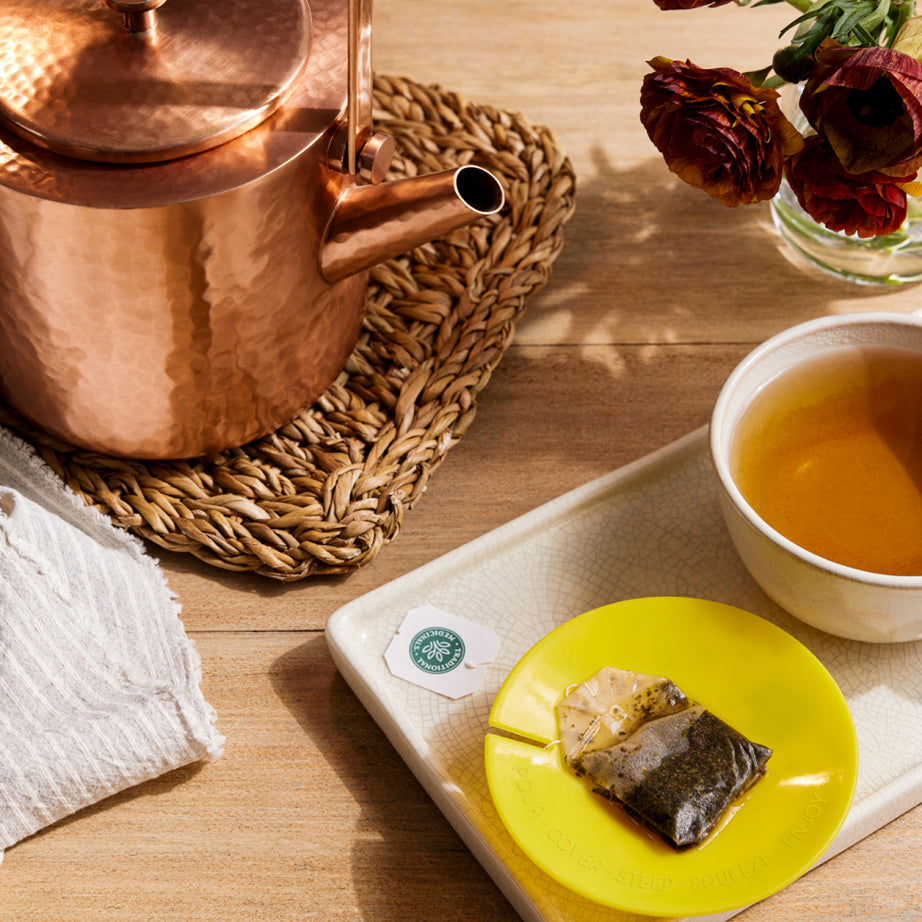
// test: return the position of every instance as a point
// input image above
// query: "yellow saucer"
(745, 670)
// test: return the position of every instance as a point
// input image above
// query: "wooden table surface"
(659, 291)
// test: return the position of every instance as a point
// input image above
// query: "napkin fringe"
(112, 759)
(55, 487)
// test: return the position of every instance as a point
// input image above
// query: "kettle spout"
(376, 222)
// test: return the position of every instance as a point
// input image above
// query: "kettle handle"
(358, 102)
(368, 153)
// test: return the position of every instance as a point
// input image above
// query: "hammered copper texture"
(73, 80)
(311, 110)
(327, 491)
(223, 329)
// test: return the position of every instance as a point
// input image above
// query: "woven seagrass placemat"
(325, 492)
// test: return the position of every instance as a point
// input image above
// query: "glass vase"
(894, 259)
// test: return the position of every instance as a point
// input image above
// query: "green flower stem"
(801, 5)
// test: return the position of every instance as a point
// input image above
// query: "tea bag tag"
(437, 650)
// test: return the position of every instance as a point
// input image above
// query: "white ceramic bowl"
(841, 600)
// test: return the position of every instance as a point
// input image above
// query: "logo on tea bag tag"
(437, 650)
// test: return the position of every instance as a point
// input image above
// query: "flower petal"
(867, 204)
(716, 130)
(868, 104)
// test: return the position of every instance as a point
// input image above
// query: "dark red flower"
(689, 4)
(868, 104)
(716, 130)
(863, 204)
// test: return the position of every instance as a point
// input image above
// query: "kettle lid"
(139, 81)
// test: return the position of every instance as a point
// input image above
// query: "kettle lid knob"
(138, 15)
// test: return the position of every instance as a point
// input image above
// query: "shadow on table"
(407, 861)
(647, 258)
(155, 787)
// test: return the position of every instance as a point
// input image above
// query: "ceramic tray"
(652, 528)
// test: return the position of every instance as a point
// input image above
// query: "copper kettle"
(190, 196)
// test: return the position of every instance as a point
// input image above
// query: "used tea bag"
(608, 706)
(667, 760)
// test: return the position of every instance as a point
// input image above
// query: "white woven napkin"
(99, 685)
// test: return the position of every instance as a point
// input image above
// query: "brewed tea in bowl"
(816, 439)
